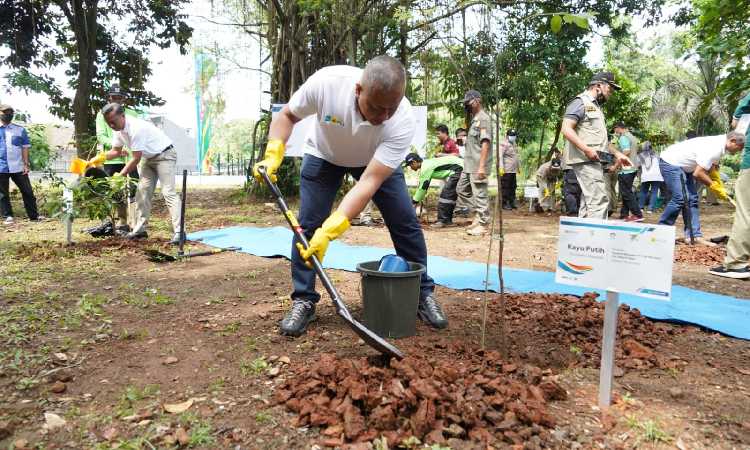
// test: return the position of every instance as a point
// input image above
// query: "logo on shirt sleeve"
(333, 120)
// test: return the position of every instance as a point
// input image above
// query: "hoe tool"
(157, 256)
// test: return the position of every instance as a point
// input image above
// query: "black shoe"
(103, 230)
(430, 313)
(133, 235)
(738, 274)
(298, 318)
(508, 208)
(122, 230)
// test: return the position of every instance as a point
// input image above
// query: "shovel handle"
(341, 309)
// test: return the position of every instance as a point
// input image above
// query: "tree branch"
(423, 43)
(233, 24)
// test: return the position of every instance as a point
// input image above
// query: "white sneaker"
(478, 230)
(8, 220)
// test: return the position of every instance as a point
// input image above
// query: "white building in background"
(184, 143)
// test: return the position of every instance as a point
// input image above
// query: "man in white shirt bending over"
(364, 126)
(150, 147)
(683, 163)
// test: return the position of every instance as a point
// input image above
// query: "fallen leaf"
(110, 434)
(178, 408)
(182, 436)
(58, 387)
(60, 356)
(285, 360)
(273, 371)
(20, 444)
(53, 421)
(170, 360)
(743, 371)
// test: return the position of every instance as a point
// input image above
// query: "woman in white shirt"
(651, 179)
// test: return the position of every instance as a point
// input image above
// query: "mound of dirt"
(699, 254)
(554, 330)
(464, 394)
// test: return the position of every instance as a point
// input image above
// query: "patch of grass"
(200, 434)
(251, 344)
(132, 396)
(263, 417)
(217, 385)
(575, 350)
(254, 367)
(230, 328)
(649, 430)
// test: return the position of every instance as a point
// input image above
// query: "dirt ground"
(101, 348)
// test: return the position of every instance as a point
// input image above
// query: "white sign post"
(531, 192)
(618, 257)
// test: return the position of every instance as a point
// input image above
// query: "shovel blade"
(372, 339)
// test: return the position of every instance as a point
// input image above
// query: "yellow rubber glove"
(274, 156)
(546, 192)
(717, 187)
(502, 171)
(97, 160)
(333, 227)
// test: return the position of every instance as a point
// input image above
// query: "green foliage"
(94, 198)
(722, 31)
(40, 154)
(234, 138)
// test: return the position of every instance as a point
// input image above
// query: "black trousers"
(629, 198)
(509, 185)
(27, 193)
(571, 193)
(448, 197)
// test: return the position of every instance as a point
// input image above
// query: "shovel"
(687, 213)
(372, 339)
(154, 255)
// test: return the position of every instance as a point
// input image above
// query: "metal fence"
(221, 165)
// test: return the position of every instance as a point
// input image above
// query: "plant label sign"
(622, 257)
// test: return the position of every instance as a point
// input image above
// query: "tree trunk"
(82, 19)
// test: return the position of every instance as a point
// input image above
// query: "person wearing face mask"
(462, 206)
(477, 162)
(14, 165)
(585, 131)
(364, 127)
(509, 155)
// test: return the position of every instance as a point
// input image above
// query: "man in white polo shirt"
(364, 127)
(150, 147)
(685, 162)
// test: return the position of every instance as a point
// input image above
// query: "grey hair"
(739, 138)
(384, 74)
(116, 107)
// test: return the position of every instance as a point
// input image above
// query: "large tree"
(100, 42)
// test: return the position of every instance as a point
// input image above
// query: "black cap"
(114, 89)
(555, 163)
(412, 157)
(606, 77)
(470, 95)
(512, 132)
(620, 124)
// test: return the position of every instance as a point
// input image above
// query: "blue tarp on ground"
(721, 313)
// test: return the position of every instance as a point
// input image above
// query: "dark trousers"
(571, 193)
(674, 179)
(448, 197)
(27, 193)
(509, 185)
(629, 199)
(649, 194)
(319, 182)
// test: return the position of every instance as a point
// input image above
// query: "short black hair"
(443, 128)
(458, 130)
(412, 157)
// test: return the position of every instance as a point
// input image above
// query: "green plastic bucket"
(390, 299)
